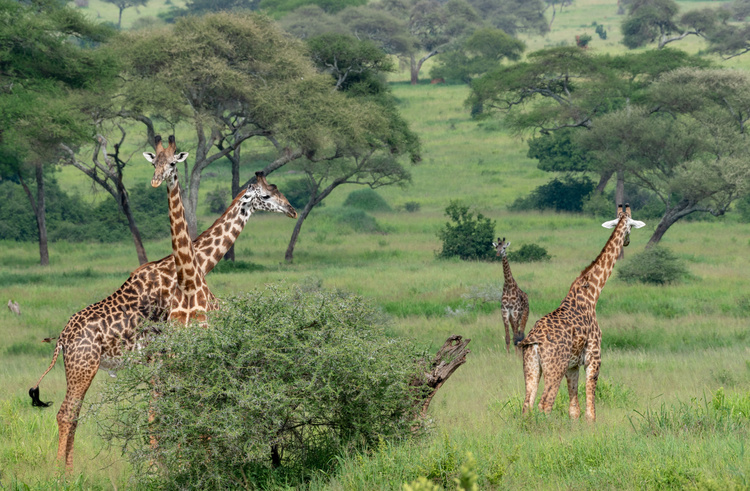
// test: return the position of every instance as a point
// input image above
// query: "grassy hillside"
(668, 352)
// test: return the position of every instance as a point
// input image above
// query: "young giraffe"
(192, 298)
(564, 340)
(515, 302)
(95, 337)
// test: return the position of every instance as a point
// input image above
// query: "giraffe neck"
(599, 271)
(183, 251)
(509, 281)
(213, 244)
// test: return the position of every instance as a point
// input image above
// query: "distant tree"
(482, 51)
(125, 4)
(690, 151)
(651, 21)
(514, 16)
(560, 89)
(41, 65)
(346, 58)
(201, 7)
(281, 7)
(311, 21)
(554, 5)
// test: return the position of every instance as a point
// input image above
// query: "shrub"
(656, 266)
(217, 200)
(601, 31)
(743, 208)
(528, 253)
(367, 199)
(567, 194)
(297, 192)
(412, 206)
(280, 383)
(468, 237)
(356, 220)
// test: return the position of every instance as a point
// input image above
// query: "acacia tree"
(560, 90)
(688, 146)
(232, 77)
(40, 65)
(125, 4)
(370, 153)
(657, 21)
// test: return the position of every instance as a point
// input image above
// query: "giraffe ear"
(149, 156)
(611, 223)
(181, 156)
(637, 223)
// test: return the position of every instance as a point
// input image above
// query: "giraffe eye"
(173, 164)
(266, 197)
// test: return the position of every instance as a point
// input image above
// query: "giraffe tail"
(34, 391)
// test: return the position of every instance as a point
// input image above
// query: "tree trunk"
(289, 255)
(447, 360)
(125, 205)
(414, 71)
(619, 199)
(603, 180)
(37, 205)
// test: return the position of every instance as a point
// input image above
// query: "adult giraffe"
(192, 298)
(96, 337)
(569, 337)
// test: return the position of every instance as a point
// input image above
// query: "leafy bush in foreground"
(657, 266)
(274, 389)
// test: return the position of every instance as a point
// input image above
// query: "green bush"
(467, 237)
(367, 199)
(528, 253)
(567, 194)
(356, 220)
(217, 200)
(297, 192)
(280, 383)
(412, 206)
(657, 266)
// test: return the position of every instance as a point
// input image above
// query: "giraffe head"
(624, 215)
(165, 161)
(265, 197)
(501, 246)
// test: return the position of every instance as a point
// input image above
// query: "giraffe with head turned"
(96, 337)
(514, 303)
(569, 337)
(192, 298)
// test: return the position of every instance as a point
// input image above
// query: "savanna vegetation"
(673, 397)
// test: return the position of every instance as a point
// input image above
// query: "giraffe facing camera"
(569, 337)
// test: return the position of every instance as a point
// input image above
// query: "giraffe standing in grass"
(568, 338)
(515, 302)
(96, 337)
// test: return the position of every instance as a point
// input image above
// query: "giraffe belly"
(577, 360)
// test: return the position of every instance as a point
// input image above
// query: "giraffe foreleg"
(592, 376)
(532, 372)
(572, 376)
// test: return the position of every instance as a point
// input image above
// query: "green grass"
(667, 351)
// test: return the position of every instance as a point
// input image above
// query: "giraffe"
(96, 337)
(192, 298)
(515, 302)
(569, 337)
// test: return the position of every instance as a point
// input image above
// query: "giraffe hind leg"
(572, 376)
(506, 322)
(79, 380)
(532, 372)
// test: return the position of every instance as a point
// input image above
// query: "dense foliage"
(528, 253)
(367, 199)
(657, 266)
(281, 382)
(73, 219)
(566, 194)
(466, 235)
